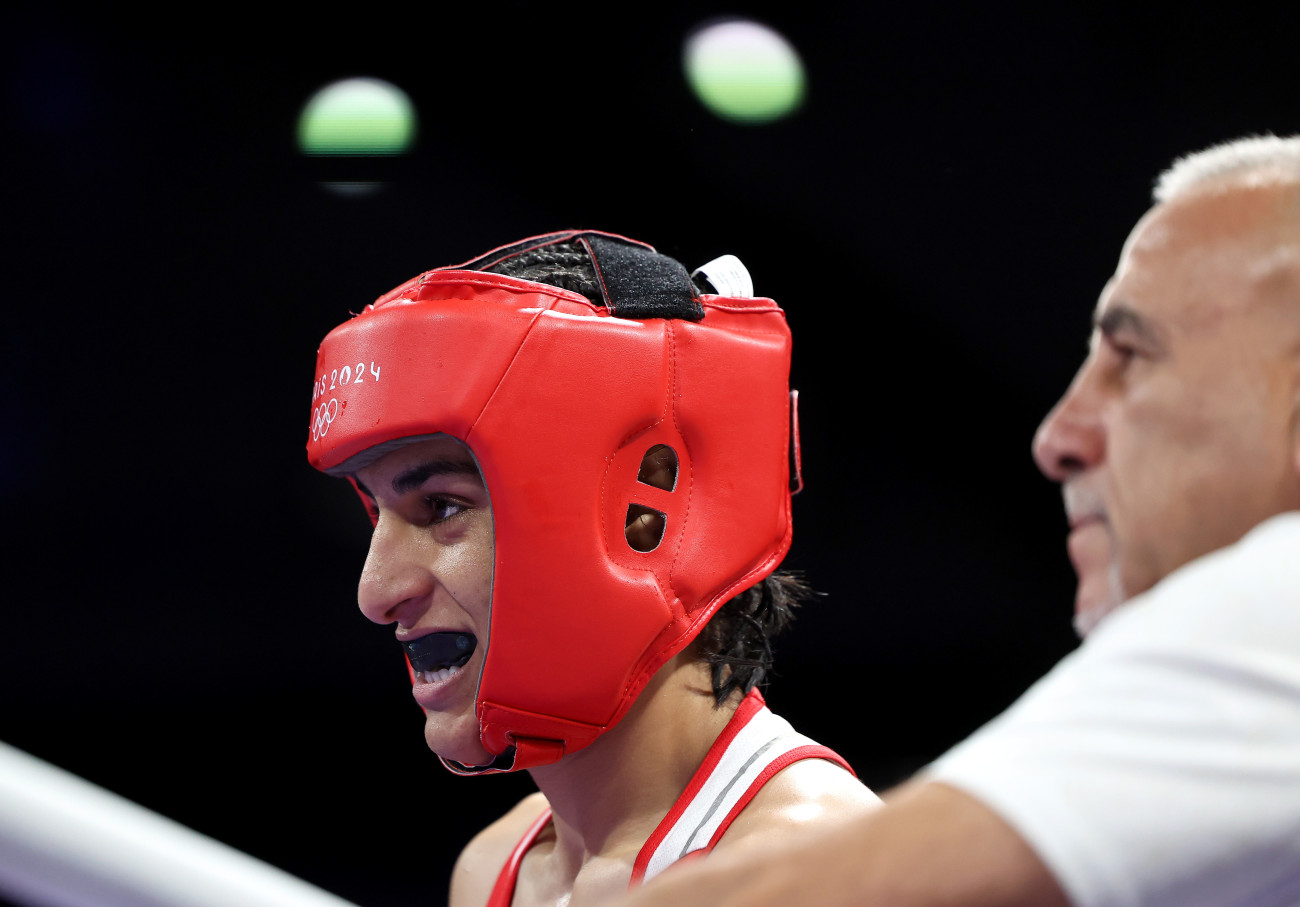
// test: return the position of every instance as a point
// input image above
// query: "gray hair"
(1263, 157)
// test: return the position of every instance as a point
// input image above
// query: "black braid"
(565, 265)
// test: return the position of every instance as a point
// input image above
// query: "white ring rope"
(66, 843)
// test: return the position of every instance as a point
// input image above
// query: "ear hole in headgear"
(644, 528)
(659, 468)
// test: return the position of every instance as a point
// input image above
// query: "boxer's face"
(1179, 432)
(429, 570)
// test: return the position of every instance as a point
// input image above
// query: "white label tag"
(728, 276)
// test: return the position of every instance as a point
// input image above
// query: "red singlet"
(753, 747)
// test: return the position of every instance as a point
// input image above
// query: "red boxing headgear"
(580, 621)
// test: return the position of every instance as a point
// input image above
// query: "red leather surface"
(559, 412)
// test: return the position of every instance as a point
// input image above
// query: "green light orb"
(357, 116)
(744, 72)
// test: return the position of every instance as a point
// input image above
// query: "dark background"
(937, 220)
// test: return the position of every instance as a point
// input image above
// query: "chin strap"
(528, 752)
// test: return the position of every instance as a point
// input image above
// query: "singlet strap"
(753, 747)
(503, 892)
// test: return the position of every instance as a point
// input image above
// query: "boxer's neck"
(608, 798)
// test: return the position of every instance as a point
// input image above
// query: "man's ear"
(1295, 427)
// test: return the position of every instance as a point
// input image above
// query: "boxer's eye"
(441, 509)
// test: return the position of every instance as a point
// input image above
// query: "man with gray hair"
(1160, 763)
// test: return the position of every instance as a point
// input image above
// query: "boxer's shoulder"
(481, 861)
(811, 791)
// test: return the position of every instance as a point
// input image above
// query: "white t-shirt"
(1159, 764)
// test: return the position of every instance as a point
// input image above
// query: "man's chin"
(1086, 619)
(1098, 596)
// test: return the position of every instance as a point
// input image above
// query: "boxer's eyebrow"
(418, 475)
(1122, 319)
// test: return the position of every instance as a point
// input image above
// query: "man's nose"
(395, 586)
(1071, 438)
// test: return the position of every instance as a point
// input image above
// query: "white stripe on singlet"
(766, 738)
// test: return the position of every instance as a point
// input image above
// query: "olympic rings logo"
(323, 417)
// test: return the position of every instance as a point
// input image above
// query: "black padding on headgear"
(635, 280)
(640, 283)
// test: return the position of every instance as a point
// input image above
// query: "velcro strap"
(638, 282)
(635, 280)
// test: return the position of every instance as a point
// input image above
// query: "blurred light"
(357, 116)
(744, 72)
(353, 188)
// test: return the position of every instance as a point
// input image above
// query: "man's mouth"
(1078, 521)
(1083, 505)
(436, 656)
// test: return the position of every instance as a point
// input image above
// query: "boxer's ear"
(645, 526)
